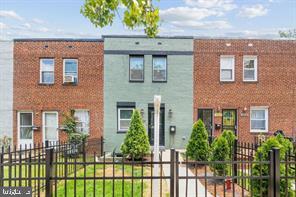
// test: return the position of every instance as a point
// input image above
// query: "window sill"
(136, 81)
(46, 84)
(70, 84)
(258, 132)
(121, 132)
(251, 82)
(225, 82)
(159, 81)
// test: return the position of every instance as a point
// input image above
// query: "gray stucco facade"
(6, 88)
(176, 92)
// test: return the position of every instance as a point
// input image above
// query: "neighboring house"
(6, 88)
(137, 68)
(244, 85)
(53, 77)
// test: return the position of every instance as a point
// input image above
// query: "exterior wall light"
(245, 109)
(170, 113)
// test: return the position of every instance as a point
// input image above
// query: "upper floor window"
(47, 71)
(82, 120)
(136, 68)
(159, 68)
(250, 68)
(70, 70)
(259, 119)
(227, 68)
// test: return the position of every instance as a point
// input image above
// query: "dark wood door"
(206, 115)
(151, 126)
(229, 121)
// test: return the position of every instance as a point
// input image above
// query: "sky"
(200, 18)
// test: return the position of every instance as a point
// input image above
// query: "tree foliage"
(288, 34)
(198, 145)
(136, 142)
(230, 137)
(74, 136)
(220, 152)
(138, 13)
(262, 154)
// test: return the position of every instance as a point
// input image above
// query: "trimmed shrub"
(136, 143)
(220, 152)
(230, 137)
(198, 146)
(262, 154)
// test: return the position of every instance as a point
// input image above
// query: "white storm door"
(25, 128)
(50, 127)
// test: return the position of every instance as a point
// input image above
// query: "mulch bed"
(216, 187)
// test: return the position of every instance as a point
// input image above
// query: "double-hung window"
(47, 71)
(82, 120)
(70, 71)
(159, 68)
(250, 68)
(226, 68)
(124, 118)
(259, 119)
(136, 68)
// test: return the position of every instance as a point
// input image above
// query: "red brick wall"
(276, 86)
(87, 94)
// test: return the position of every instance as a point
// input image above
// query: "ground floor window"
(259, 119)
(124, 118)
(50, 126)
(82, 120)
(25, 125)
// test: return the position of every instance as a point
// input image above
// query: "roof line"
(58, 40)
(144, 36)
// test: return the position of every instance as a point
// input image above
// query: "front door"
(25, 128)
(151, 126)
(206, 115)
(229, 120)
(50, 127)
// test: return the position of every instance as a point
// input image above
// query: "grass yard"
(90, 186)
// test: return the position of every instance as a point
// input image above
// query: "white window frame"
(250, 57)
(233, 67)
(42, 70)
(64, 60)
(266, 109)
(166, 68)
(118, 117)
(43, 123)
(84, 110)
(19, 124)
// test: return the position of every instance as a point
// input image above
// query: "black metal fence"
(66, 170)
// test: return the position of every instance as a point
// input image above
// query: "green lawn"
(90, 186)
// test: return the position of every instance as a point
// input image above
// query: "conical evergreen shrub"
(136, 142)
(220, 152)
(198, 145)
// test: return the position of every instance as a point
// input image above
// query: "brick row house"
(53, 78)
(247, 86)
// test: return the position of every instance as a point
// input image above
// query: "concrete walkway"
(182, 183)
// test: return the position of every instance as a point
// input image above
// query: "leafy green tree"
(74, 136)
(136, 142)
(288, 34)
(262, 154)
(198, 145)
(137, 13)
(220, 152)
(230, 137)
